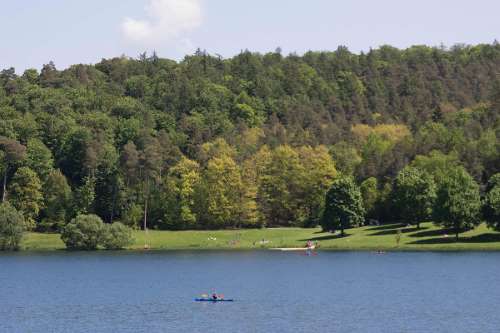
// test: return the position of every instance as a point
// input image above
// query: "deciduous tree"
(39, 158)
(414, 195)
(181, 185)
(370, 194)
(281, 185)
(12, 227)
(492, 202)
(223, 189)
(26, 195)
(58, 199)
(343, 206)
(12, 154)
(458, 203)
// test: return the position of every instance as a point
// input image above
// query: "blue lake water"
(274, 292)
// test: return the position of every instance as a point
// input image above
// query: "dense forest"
(254, 140)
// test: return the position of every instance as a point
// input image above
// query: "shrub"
(88, 232)
(85, 232)
(12, 227)
(117, 236)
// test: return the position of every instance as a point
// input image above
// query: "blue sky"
(33, 32)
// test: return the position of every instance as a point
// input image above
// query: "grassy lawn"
(428, 237)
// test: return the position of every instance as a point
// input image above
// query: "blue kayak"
(212, 300)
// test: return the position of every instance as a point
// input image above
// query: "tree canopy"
(12, 227)
(492, 202)
(414, 195)
(248, 141)
(458, 203)
(343, 206)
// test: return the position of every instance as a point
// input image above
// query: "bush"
(88, 232)
(85, 232)
(117, 236)
(12, 227)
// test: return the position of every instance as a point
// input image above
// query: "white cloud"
(167, 20)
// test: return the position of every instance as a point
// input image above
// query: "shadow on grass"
(387, 227)
(448, 240)
(324, 238)
(483, 238)
(433, 233)
(395, 231)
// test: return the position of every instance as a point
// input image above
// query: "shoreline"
(365, 239)
(228, 250)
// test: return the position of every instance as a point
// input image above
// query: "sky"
(34, 32)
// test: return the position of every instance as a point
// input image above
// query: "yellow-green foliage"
(223, 188)
(391, 132)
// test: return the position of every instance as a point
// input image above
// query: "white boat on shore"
(293, 248)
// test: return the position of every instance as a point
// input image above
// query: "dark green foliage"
(121, 132)
(58, 200)
(84, 232)
(414, 194)
(12, 227)
(458, 203)
(343, 206)
(492, 202)
(11, 155)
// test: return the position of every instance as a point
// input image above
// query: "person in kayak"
(214, 296)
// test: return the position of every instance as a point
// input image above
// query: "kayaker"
(214, 296)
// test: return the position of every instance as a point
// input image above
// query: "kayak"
(212, 300)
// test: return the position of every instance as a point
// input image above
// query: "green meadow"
(368, 238)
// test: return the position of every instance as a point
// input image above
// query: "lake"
(274, 292)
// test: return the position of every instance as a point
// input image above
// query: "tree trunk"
(418, 225)
(145, 226)
(4, 189)
(342, 226)
(456, 233)
(113, 201)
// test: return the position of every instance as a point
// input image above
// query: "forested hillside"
(243, 142)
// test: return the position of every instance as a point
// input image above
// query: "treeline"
(255, 140)
(429, 189)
